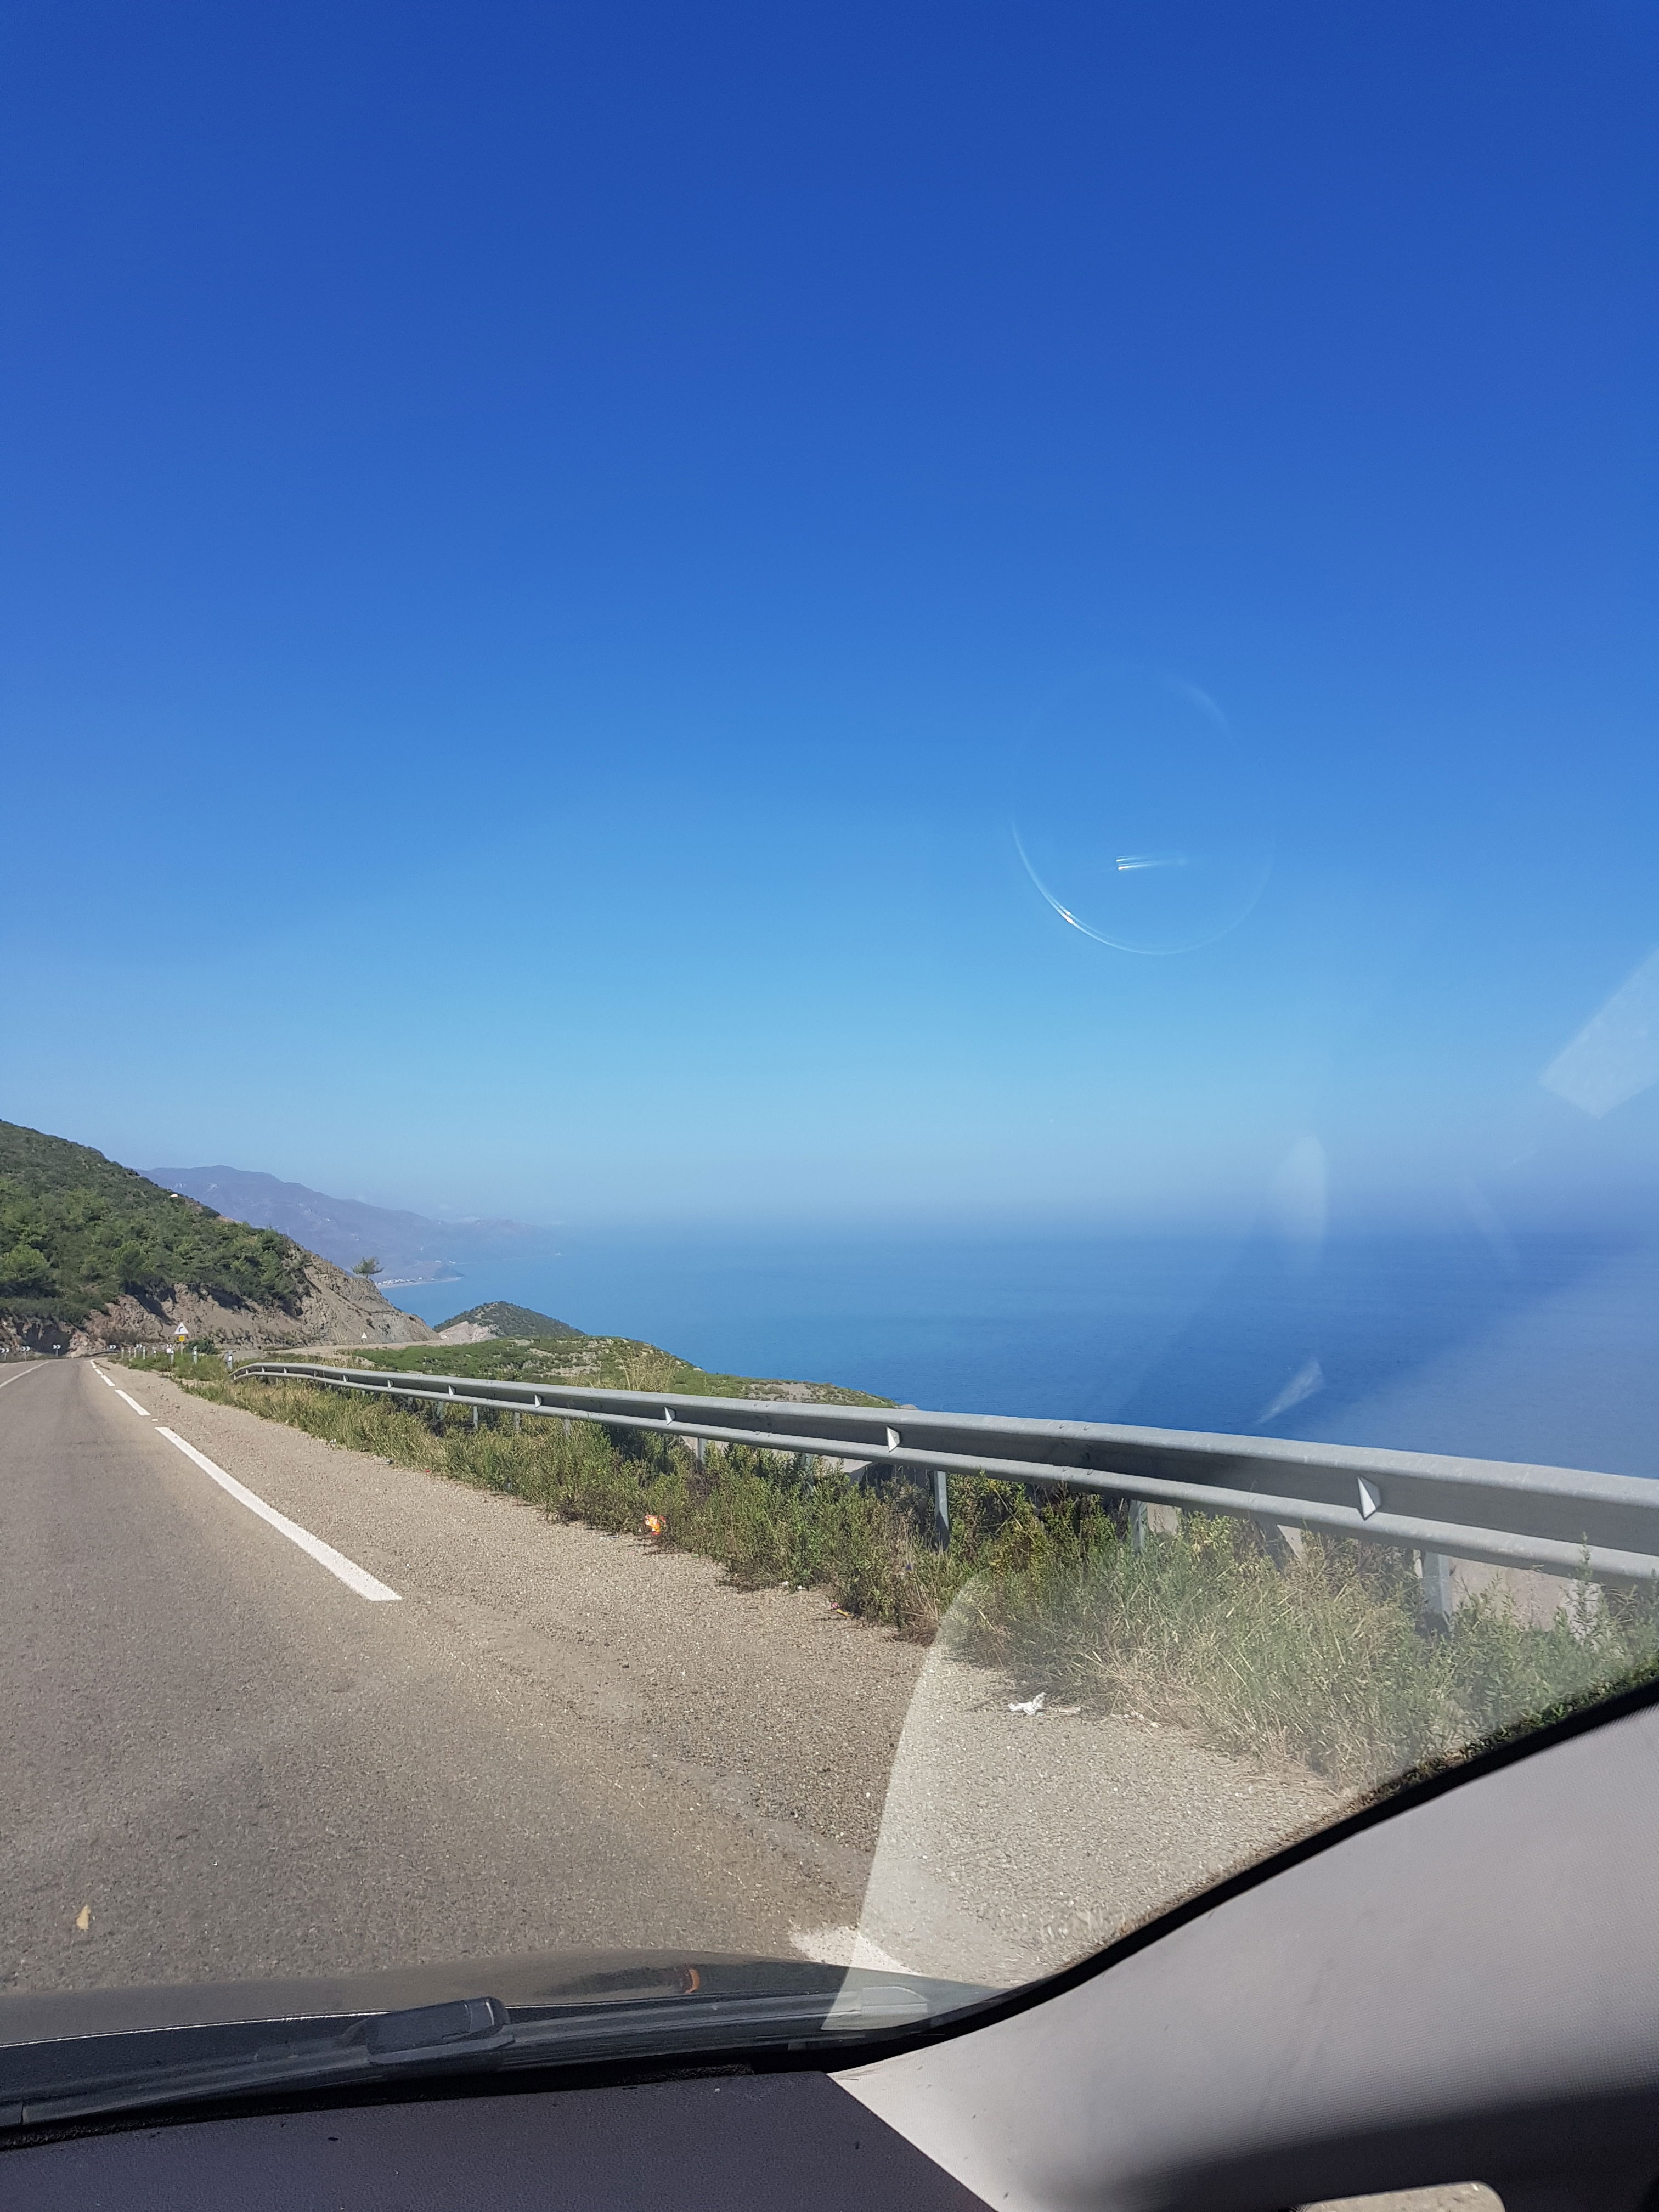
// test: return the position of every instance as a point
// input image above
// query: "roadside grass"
(1322, 1661)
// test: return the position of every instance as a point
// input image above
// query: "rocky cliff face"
(335, 1308)
(344, 1309)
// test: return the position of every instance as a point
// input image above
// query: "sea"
(1541, 1349)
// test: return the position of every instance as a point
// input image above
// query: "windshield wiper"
(41, 2083)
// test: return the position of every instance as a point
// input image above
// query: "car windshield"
(832, 955)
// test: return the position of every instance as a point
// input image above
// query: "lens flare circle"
(1139, 815)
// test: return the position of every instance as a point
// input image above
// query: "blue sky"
(545, 547)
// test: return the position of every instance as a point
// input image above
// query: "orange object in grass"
(654, 1524)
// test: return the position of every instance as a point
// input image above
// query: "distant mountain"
(478, 1323)
(92, 1254)
(410, 1247)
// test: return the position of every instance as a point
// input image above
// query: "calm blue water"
(1549, 1353)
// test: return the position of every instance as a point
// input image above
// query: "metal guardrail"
(1562, 1519)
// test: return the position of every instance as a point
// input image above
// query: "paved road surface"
(233, 1764)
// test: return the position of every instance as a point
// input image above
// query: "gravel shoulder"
(1015, 1841)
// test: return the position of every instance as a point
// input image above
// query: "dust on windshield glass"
(830, 1142)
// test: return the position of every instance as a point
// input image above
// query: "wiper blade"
(44, 2083)
(717, 2022)
(466, 2029)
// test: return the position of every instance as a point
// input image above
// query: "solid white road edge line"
(18, 1377)
(353, 1577)
(133, 1402)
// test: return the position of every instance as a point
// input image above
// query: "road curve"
(222, 1761)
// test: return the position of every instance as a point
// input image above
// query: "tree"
(26, 1268)
(366, 1265)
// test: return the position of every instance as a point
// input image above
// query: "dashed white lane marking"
(352, 1576)
(133, 1402)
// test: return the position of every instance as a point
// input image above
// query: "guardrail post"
(1160, 1520)
(942, 1508)
(1439, 1602)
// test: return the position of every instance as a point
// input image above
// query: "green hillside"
(601, 1363)
(511, 1320)
(76, 1231)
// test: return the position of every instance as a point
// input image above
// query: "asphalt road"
(219, 1760)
